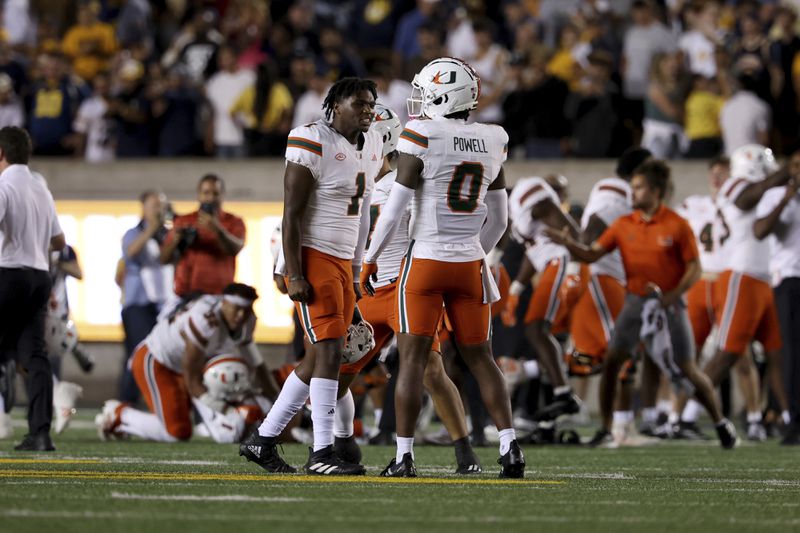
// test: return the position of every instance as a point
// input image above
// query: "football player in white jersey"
(168, 365)
(746, 301)
(534, 206)
(451, 173)
(330, 171)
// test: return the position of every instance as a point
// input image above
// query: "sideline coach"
(29, 229)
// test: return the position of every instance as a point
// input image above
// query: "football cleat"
(602, 439)
(756, 432)
(406, 467)
(324, 462)
(727, 434)
(347, 449)
(512, 462)
(65, 395)
(263, 451)
(688, 431)
(108, 421)
(563, 404)
(40, 442)
(468, 463)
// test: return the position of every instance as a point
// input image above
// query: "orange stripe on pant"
(594, 314)
(748, 313)
(164, 391)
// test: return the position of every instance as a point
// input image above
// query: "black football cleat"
(406, 468)
(727, 434)
(40, 442)
(347, 449)
(263, 451)
(602, 439)
(325, 462)
(689, 431)
(468, 463)
(512, 463)
(563, 404)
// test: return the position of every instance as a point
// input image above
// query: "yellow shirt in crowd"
(563, 65)
(90, 47)
(280, 102)
(702, 115)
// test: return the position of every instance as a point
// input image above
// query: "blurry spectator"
(663, 108)
(751, 56)
(175, 105)
(702, 128)
(645, 38)
(15, 70)
(94, 128)
(265, 111)
(222, 90)
(783, 51)
(393, 93)
(534, 112)
(11, 111)
(18, 23)
(196, 47)
(372, 28)
(592, 111)
(526, 39)
(336, 56)
(406, 43)
(309, 105)
(134, 23)
(429, 39)
(299, 23)
(204, 244)
(745, 118)
(460, 35)
(301, 69)
(53, 105)
(490, 63)
(147, 283)
(699, 44)
(564, 64)
(130, 110)
(244, 27)
(90, 43)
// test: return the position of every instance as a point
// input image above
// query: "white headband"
(237, 300)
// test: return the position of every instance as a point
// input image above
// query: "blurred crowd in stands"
(103, 79)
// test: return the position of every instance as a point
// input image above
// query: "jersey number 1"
(352, 209)
(465, 172)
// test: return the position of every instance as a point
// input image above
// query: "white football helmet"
(227, 378)
(753, 162)
(444, 86)
(387, 123)
(360, 339)
(60, 336)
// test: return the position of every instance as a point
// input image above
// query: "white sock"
(674, 417)
(506, 436)
(404, 445)
(754, 417)
(378, 415)
(292, 397)
(145, 425)
(649, 415)
(564, 389)
(691, 412)
(531, 369)
(664, 406)
(323, 410)
(786, 416)
(622, 417)
(345, 412)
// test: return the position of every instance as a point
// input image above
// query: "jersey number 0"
(465, 172)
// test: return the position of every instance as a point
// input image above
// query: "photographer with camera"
(147, 284)
(203, 244)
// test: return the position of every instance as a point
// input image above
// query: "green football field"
(88, 485)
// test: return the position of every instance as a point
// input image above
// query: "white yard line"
(201, 498)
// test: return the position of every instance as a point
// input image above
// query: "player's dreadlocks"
(345, 88)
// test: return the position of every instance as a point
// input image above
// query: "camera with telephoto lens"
(186, 237)
(208, 207)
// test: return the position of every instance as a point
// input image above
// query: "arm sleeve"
(363, 233)
(303, 148)
(387, 224)
(496, 219)
(608, 240)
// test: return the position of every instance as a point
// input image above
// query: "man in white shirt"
(29, 229)
(222, 90)
(745, 118)
(779, 218)
(646, 37)
(91, 122)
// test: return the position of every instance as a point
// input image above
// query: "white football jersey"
(461, 161)
(202, 324)
(528, 192)
(392, 256)
(740, 251)
(610, 199)
(344, 176)
(701, 213)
